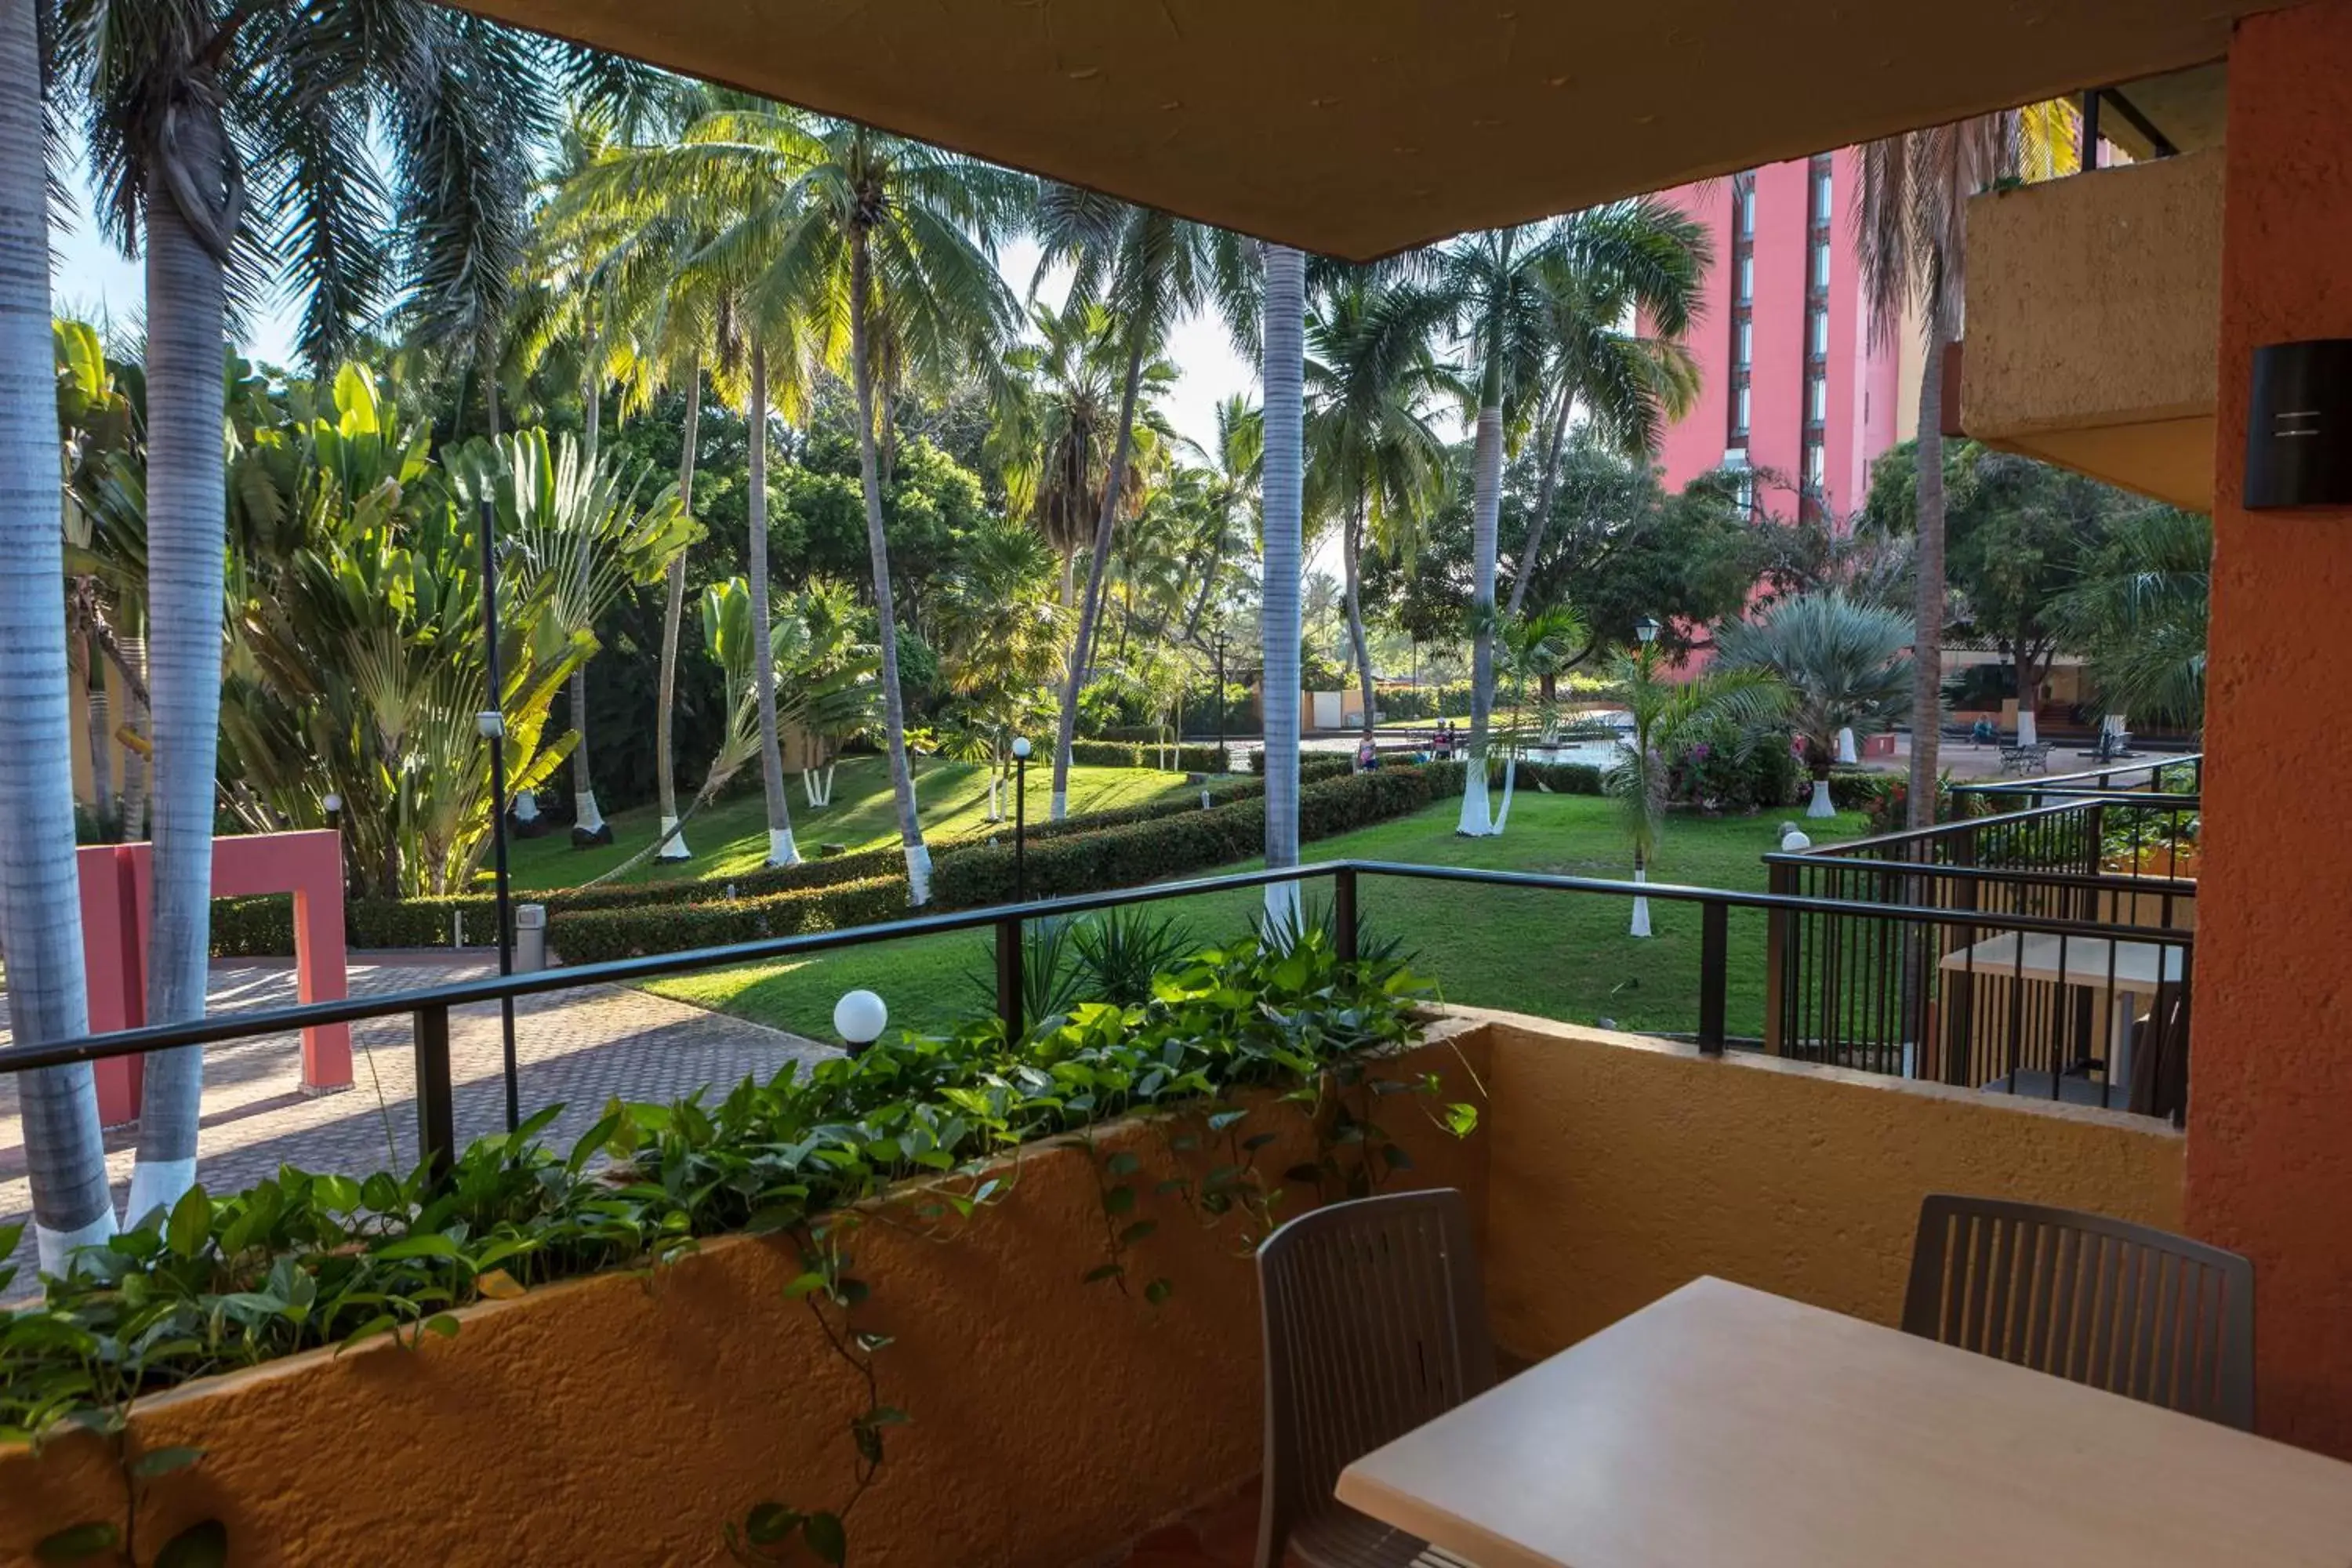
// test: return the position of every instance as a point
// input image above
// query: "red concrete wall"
(2270, 1146)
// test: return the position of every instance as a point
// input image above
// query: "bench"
(2016, 761)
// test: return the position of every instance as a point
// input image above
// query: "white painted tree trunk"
(673, 615)
(1821, 805)
(673, 845)
(763, 667)
(2029, 731)
(877, 543)
(1485, 506)
(1845, 751)
(186, 478)
(1641, 926)
(1282, 500)
(40, 905)
(1511, 781)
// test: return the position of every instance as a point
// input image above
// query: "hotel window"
(1820, 186)
(1816, 468)
(1821, 264)
(1818, 334)
(1817, 401)
(1743, 300)
(1814, 420)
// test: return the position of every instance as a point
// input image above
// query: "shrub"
(597, 936)
(1128, 755)
(1312, 765)
(302, 1260)
(1725, 778)
(1560, 778)
(1851, 789)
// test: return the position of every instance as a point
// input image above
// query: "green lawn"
(730, 837)
(1563, 955)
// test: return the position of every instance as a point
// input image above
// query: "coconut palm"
(1845, 667)
(1616, 294)
(1537, 649)
(40, 908)
(1282, 495)
(1670, 713)
(1229, 501)
(1909, 208)
(1493, 285)
(1150, 269)
(1375, 465)
(1000, 630)
(233, 140)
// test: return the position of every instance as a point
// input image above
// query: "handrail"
(2155, 769)
(280, 1020)
(2104, 881)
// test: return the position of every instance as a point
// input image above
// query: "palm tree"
(2140, 611)
(40, 913)
(1670, 714)
(1374, 462)
(1845, 667)
(1284, 376)
(1909, 210)
(184, 98)
(1000, 630)
(1491, 282)
(1616, 295)
(1151, 269)
(1537, 648)
(1233, 463)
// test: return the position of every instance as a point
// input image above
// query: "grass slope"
(1562, 956)
(730, 835)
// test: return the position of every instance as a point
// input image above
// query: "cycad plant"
(1846, 666)
(1730, 706)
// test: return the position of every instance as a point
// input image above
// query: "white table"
(1722, 1426)
(2127, 971)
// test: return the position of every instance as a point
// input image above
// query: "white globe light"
(859, 1018)
(1021, 747)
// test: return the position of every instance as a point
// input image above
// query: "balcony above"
(2093, 308)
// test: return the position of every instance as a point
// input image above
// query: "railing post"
(1343, 913)
(436, 1111)
(1781, 880)
(1009, 983)
(1714, 972)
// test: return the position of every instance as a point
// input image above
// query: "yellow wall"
(2092, 310)
(618, 1420)
(1623, 1168)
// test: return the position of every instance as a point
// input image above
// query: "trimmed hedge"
(1852, 789)
(1560, 778)
(1128, 755)
(1312, 765)
(979, 874)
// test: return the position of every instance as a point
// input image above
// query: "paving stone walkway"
(580, 1047)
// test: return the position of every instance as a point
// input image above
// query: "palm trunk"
(781, 850)
(1544, 493)
(1090, 607)
(1352, 543)
(894, 708)
(587, 821)
(1485, 506)
(186, 334)
(134, 719)
(673, 613)
(1928, 643)
(1284, 374)
(97, 734)
(40, 905)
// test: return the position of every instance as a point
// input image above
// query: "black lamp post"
(1221, 691)
(492, 723)
(1019, 818)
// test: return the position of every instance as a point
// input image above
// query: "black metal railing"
(1965, 1001)
(428, 1009)
(2184, 774)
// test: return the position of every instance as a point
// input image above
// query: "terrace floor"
(581, 1047)
(1221, 1536)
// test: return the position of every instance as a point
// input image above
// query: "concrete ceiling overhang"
(1358, 127)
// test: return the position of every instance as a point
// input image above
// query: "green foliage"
(1121, 754)
(306, 1260)
(1313, 766)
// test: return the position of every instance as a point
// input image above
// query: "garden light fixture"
(1646, 628)
(859, 1018)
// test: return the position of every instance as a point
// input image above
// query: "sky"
(93, 279)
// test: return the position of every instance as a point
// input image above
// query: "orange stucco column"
(2270, 1145)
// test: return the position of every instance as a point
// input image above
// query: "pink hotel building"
(1790, 384)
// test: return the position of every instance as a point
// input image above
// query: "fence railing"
(2100, 1014)
(428, 1009)
(2182, 774)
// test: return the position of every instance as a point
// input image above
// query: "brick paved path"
(581, 1047)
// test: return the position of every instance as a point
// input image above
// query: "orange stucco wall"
(623, 1420)
(1623, 1168)
(2270, 1144)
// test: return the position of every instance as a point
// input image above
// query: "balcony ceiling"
(1358, 127)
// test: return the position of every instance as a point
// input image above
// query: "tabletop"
(1723, 1424)
(2076, 960)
